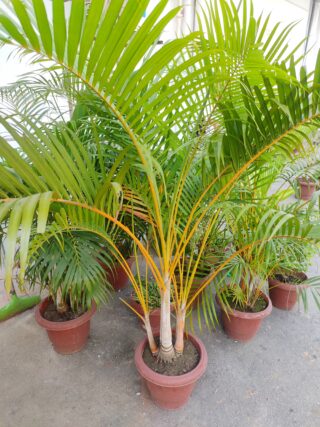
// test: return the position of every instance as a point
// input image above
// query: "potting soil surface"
(53, 315)
(181, 365)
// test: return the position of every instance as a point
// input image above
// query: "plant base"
(66, 337)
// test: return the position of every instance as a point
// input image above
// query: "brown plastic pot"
(307, 188)
(243, 326)
(171, 392)
(154, 315)
(117, 276)
(284, 295)
(66, 337)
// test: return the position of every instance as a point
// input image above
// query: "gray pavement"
(273, 381)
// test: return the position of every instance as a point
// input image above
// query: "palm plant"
(289, 267)
(259, 243)
(188, 146)
(301, 173)
(68, 267)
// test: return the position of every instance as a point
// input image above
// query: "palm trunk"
(152, 344)
(61, 305)
(166, 353)
(181, 318)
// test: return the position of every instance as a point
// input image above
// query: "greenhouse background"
(306, 13)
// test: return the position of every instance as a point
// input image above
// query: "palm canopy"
(179, 127)
(69, 265)
(108, 50)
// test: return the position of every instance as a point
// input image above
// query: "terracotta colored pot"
(171, 392)
(284, 295)
(117, 275)
(66, 337)
(243, 326)
(307, 189)
(154, 315)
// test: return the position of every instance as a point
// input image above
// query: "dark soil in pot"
(283, 289)
(69, 336)
(292, 279)
(243, 326)
(260, 305)
(183, 364)
(53, 315)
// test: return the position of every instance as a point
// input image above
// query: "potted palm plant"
(242, 300)
(303, 175)
(284, 288)
(67, 267)
(187, 152)
(307, 187)
(259, 240)
(287, 281)
(308, 179)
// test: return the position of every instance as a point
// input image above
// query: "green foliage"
(151, 293)
(177, 147)
(264, 241)
(70, 263)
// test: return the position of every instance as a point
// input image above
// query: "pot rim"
(246, 315)
(62, 326)
(307, 183)
(275, 283)
(174, 380)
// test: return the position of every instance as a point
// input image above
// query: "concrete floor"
(273, 381)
